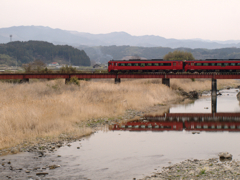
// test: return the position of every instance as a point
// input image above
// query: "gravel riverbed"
(199, 169)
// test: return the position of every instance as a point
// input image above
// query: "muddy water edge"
(126, 153)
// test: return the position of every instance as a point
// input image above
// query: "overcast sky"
(180, 19)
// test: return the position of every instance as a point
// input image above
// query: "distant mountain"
(74, 38)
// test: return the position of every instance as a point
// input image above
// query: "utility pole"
(16, 64)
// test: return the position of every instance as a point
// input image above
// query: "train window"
(226, 64)
(109, 64)
(205, 64)
(167, 64)
(160, 64)
(115, 64)
(219, 64)
(213, 127)
(174, 64)
(238, 64)
(213, 64)
(149, 64)
(233, 64)
(192, 64)
(198, 64)
(142, 64)
(129, 64)
(155, 64)
(135, 64)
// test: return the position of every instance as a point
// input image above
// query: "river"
(137, 149)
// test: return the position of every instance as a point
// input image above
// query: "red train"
(160, 65)
(149, 126)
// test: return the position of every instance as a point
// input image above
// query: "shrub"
(74, 80)
(46, 70)
(179, 55)
(36, 65)
(68, 69)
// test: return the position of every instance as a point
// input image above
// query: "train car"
(149, 126)
(137, 65)
(212, 126)
(212, 65)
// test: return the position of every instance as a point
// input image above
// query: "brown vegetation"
(50, 108)
(201, 84)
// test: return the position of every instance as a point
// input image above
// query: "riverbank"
(51, 112)
(199, 169)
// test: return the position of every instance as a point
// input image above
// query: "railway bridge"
(24, 77)
(188, 121)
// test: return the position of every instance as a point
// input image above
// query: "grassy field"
(50, 108)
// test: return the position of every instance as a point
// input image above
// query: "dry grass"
(201, 85)
(49, 108)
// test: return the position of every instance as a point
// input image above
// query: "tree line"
(26, 52)
(106, 53)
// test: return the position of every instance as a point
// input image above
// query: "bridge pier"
(117, 80)
(24, 81)
(166, 81)
(214, 87)
(67, 80)
(214, 104)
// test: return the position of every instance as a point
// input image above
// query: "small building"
(53, 64)
(96, 66)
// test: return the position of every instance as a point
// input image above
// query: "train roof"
(179, 60)
(215, 60)
(141, 60)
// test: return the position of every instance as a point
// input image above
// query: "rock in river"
(238, 96)
(193, 94)
(225, 155)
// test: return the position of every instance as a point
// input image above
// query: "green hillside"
(106, 53)
(25, 52)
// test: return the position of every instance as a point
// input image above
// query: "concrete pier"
(67, 80)
(24, 81)
(214, 87)
(166, 81)
(117, 80)
(214, 104)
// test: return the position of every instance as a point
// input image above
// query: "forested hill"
(26, 52)
(106, 53)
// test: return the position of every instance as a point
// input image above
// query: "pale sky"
(180, 19)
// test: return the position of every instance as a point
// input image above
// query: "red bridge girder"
(106, 75)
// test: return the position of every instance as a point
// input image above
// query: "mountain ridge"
(75, 38)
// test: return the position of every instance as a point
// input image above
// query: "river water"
(139, 148)
(127, 153)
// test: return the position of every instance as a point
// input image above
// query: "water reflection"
(183, 121)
